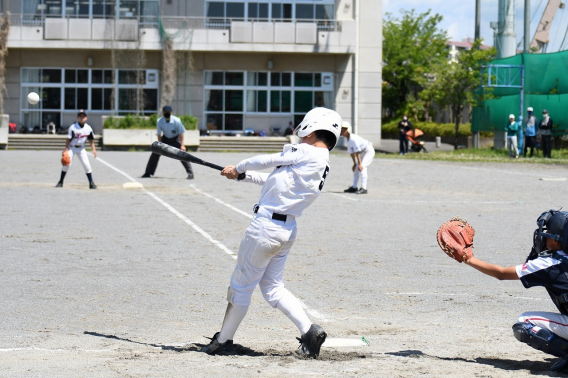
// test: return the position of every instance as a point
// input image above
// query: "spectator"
(545, 131)
(403, 127)
(530, 132)
(511, 130)
(289, 130)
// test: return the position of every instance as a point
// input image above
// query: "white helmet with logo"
(321, 119)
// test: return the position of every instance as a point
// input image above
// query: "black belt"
(276, 216)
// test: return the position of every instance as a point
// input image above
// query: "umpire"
(173, 131)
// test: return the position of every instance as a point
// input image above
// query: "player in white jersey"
(296, 181)
(362, 152)
(78, 134)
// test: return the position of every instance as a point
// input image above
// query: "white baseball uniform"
(297, 180)
(79, 136)
(552, 274)
(356, 144)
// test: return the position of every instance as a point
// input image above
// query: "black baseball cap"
(167, 108)
(81, 112)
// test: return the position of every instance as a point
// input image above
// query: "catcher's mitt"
(455, 237)
(65, 159)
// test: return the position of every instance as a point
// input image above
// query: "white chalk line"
(479, 296)
(175, 212)
(531, 174)
(427, 201)
(316, 314)
(221, 202)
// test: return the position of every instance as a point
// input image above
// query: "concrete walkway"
(390, 146)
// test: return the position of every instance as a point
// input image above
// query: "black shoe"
(59, 185)
(215, 347)
(190, 176)
(361, 191)
(350, 190)
(92, 185)
(145, 175)
(560, 366)
(311, 341)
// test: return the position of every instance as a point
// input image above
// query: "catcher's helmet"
(552, 224)
(322, 119)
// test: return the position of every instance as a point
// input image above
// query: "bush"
(136, 122)
(430, 128)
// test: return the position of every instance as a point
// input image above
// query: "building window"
(220, 14)
(232, 95)
(39, 9)
(64, 91)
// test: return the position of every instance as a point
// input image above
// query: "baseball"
(33, 98)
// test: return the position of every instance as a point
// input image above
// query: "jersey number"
(323, 177)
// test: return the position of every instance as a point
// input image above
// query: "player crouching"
(296, 181)
(546, 266)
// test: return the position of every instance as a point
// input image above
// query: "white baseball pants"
(261, 260)
(83, 158)
(554, 322)
(366, 160)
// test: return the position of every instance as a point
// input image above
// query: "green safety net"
(546, 87)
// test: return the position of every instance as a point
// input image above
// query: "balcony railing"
(179, 23)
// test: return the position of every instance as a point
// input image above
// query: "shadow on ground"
(535, 367)
(240, 350)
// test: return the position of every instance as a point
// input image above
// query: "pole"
(475, 136)
(478, 19)
(527, 32)
(356, 71)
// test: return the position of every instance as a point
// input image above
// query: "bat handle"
(242, 176)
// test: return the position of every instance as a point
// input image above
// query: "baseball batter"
(546, 266)
(78, 134)
(362, 152)
(297, 180)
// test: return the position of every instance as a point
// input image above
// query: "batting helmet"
(321, 119)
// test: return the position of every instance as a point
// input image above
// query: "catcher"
(546, 266)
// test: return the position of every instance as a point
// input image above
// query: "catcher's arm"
(499, 272)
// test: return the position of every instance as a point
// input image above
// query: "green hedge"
(137, 122)
(430, 128)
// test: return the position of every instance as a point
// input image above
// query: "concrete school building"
(238, 64)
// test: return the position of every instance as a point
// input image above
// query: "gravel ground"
(112, 283)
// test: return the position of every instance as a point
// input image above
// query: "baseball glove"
(455, 237)
(65, 159)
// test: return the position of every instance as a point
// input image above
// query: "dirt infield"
(129, 281)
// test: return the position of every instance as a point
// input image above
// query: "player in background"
(170, 131)
(78, 134)
(298, 176)
(362, 152)
(546, 266)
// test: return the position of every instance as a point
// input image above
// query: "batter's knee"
(272, 292)
(238, 297)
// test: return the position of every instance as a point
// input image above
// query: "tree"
(412, 46)
(453, 83)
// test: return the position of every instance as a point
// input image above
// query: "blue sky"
(459, 17)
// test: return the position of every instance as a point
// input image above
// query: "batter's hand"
(230, 172)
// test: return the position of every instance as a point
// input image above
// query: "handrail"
(177, 22)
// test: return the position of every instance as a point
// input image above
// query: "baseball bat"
(177, 154)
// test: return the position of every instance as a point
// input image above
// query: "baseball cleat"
(190, 176)
(215, 347)
(92, 185)
(361, 191)
(350, 190)
(560, 366)
(311, 341)
(59, 185)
